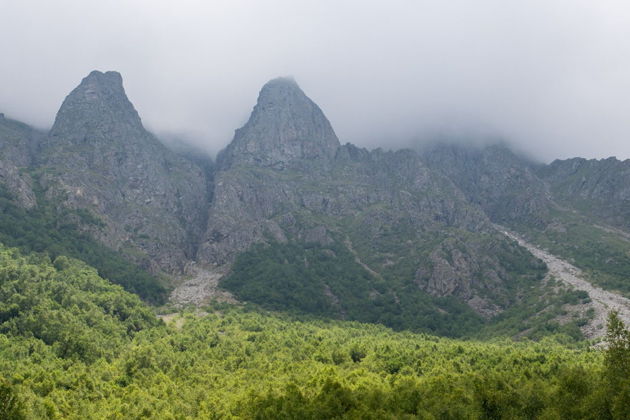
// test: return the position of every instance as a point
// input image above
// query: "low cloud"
(552, 77)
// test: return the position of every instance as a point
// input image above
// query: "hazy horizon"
(550, 78)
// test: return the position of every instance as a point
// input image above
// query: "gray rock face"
(285, 127)
(19, 185)
(18, 143)
(599, 188)
(252, 204)
(523, 195)
(503, 184)
(99, 156)
(98, 107)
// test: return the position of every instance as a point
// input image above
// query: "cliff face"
(526, 195)
(18, 144)
(98, 156)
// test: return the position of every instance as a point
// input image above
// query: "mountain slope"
(60, 231)
(576, 208)
(66, 305)
(602, 301)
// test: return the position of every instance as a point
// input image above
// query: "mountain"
(98, 156)
(405, 234)
(289, 218)
(285, 127)
(286, 132)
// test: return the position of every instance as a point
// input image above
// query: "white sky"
(553, 76)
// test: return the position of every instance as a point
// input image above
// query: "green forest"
(75, 346)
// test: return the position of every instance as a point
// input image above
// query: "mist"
(550, 77)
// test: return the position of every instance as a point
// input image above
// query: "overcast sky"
(552, 77)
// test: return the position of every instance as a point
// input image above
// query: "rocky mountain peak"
(98, 156)
(285, 127)
(98, 104)
(281, 92)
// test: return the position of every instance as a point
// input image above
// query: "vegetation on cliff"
(59, 231)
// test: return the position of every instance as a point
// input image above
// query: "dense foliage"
(57, 230)
(72, 345)
(251, 365)
(66, 305)
(539, 313)
(328, 281)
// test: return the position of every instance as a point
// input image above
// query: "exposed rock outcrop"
(472, 271)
